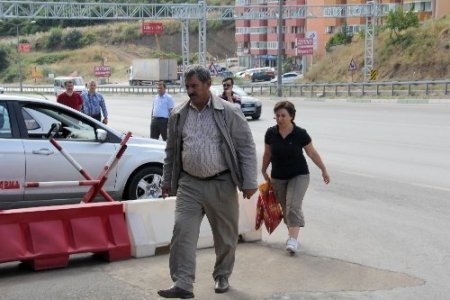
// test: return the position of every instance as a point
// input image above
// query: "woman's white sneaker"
(292, 245)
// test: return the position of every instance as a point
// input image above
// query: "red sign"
(102, 71)
(24, 47)
(152, 28)
(305, 46)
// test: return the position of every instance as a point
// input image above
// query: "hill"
(421, 53)
(114, 45)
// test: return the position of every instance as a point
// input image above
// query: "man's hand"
(248, 193)
(105, 121)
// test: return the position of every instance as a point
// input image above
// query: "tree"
(397, 21)
(4, 58)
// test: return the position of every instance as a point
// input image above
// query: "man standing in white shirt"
(162, 105)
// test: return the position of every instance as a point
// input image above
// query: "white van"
(78, 84)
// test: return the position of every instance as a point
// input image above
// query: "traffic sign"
(352, 66)
(152, 28)
(305, 46)
(373, 74)
(102, 71)
(24, 47)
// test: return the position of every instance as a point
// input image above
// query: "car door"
(12, 159)
(77, 137)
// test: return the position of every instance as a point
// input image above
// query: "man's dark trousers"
(158, 127)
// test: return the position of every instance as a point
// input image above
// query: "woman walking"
(284, 145)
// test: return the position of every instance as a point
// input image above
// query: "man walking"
(69, 97)
(228, 93)
(94, 103)
(209, 153)
(162, 105)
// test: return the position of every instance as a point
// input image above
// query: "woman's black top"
(287, 157)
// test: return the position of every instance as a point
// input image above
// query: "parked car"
(225, 74)
(263, 76)
(250, 106)
(28, 156)
(290, 77)
(240, 74)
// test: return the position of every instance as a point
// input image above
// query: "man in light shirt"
(162, 105)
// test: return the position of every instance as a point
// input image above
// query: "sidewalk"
(264, 270)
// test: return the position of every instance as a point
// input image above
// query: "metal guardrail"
(432, 88)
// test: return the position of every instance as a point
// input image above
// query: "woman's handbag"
(268, 210)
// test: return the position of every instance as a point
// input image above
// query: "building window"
(297, 29)
(329, 29)
(258, 30)
(258, 45)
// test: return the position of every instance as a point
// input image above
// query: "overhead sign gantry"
(200, 12)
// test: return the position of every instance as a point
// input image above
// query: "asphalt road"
(378, 231)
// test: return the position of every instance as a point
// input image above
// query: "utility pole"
(280, 48)
(19, 62)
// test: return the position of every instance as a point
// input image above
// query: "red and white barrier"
(45, 237)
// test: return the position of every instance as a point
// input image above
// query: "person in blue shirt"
(94, 103)
(162, 105)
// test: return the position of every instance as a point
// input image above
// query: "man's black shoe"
(221, 285)
(176, 292)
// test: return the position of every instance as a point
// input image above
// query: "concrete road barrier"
(150, 224)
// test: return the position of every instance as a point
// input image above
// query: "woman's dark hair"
(287, 105)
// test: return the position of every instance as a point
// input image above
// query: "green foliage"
(49, 59)
(55, 38)
(88, 39)
(397, 21)
(340, 38)
(72, 40)
(4, 61)
(288, 64)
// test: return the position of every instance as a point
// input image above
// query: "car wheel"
(145, 184)
(256, 117)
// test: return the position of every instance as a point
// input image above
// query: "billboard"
(305, 46)
(152, 28)
(102, 71)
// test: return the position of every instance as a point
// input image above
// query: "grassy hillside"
(422, 54)
(115, 45)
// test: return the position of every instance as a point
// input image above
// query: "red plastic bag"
(268, 210)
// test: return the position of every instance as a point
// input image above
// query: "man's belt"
(210, 177)
(159, 118)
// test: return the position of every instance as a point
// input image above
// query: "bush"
(88, 39)
(55, 38)
(49, 59)
(4, 61)
(72, 40)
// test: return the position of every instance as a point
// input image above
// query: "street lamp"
(19, 60)
(280, 47)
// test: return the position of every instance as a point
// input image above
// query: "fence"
(435, 88)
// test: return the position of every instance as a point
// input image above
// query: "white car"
(26, 155)
(250, 106)
(289, 77)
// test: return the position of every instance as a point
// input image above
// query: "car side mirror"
(101, 134)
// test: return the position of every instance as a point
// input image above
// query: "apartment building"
(257, 40)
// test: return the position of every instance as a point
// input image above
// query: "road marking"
(428, 186)
(434, 187)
